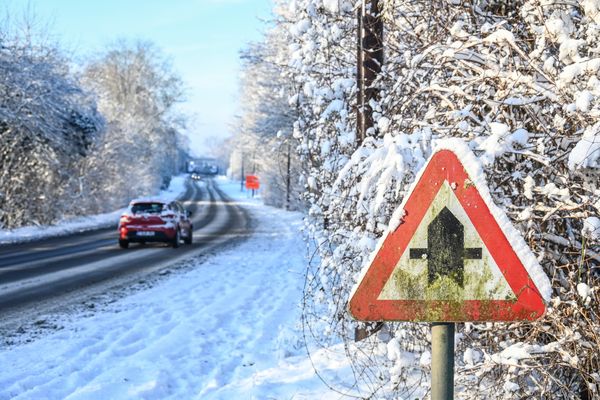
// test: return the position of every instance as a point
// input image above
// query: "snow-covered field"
(225, 328)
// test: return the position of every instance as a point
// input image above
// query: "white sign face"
(475, 276)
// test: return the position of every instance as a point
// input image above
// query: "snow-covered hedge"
(519, 81)
(47, 126)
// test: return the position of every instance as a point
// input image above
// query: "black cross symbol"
(446, 250)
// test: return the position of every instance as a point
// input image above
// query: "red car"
(151, 220)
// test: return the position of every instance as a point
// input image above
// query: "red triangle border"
(445, 165)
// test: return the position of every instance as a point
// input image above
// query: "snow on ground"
(81, 224)
(224, 329)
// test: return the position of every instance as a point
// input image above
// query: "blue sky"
(202, 37)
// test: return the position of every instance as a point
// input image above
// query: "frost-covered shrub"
(47, 126)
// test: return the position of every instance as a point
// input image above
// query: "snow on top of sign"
(475, 171)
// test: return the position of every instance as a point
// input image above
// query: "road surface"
(47, 273)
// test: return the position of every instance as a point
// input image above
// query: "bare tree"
(136, 91)
(264, 142)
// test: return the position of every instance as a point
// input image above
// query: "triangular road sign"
(450, 258)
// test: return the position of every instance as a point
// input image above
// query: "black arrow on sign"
(446, 252)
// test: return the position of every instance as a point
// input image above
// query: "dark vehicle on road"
(154, 220)
(204, 166)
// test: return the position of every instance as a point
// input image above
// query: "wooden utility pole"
(242, 173)
(288, 178)
(369, 62)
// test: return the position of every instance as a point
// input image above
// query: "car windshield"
(147, 208)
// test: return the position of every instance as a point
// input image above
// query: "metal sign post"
(252, 183)
(442, 360)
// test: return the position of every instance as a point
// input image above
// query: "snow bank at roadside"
(81, 224)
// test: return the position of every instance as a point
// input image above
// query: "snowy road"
(221, 327)
(33, 273)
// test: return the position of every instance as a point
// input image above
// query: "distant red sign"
(448, 260)
(252, 182)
